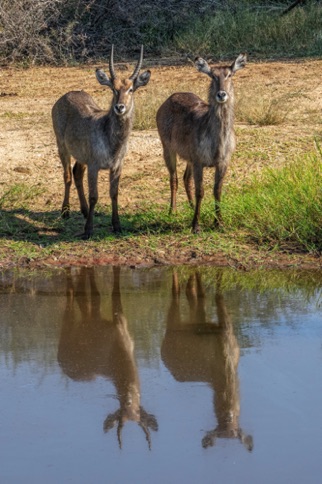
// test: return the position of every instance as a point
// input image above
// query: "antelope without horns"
(201, 133)
(96, 138)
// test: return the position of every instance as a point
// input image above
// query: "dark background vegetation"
(77, 31)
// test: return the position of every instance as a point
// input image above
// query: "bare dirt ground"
(288, 91)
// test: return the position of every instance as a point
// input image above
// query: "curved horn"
(111, 64)
(138, 66)
(147, 420)
(146, 432)
(119, 432)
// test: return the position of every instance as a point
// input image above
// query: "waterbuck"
(96, 138)
(197, 349)
(201, 133)
(92, 345)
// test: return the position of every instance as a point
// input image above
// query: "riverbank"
(278, 119)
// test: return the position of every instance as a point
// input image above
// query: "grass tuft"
(19, 196)
(282, 207)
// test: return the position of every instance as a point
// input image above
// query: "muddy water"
(160, 375)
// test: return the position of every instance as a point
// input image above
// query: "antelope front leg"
(187, 178)
(196, 299)
(170, 159)
(93, 197)
(65, 159)
(173, 189)
(114, 190)
(198, 177)
(78, 172)
(219, 178)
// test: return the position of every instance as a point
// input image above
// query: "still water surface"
(114, 375)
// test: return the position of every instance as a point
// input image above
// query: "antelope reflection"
(92, 346)
(196, 350)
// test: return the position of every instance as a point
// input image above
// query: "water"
(160, 375)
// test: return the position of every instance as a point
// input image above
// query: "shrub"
(24, 26)
(60, 31)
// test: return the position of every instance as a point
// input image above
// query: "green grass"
(279, 210)
(281, 207)
(19, 196)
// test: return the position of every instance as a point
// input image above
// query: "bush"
(63, 31)
(41, 31)
(260, 32)
(24, 26)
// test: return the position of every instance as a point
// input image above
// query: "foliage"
(259, 32)
(65, 31)
(24, 30)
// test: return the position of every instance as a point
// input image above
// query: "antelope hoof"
(84, 212)
(117, 229)
(88, 232)
(195, 229)
(86, 235)
(217, 223)
(65, 212)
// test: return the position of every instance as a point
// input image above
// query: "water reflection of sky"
(53, 425)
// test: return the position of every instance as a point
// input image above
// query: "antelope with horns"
(196, 349)
(92, 345)
(96, 138)
(201, 133)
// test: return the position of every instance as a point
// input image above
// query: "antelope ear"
(141, 80)
(246, 440)
(202, 66)
(103, 79)
(239, 63)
